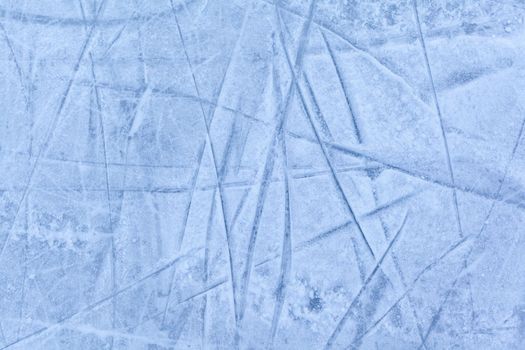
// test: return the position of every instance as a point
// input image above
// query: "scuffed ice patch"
(258, 174)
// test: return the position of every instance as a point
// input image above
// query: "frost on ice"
(257, 174)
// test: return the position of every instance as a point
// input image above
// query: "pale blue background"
(221, 174)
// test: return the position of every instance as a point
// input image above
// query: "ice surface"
(258, 174)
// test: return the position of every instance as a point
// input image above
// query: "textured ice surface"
(255, 174)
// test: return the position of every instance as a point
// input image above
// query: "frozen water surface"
(257, 174)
